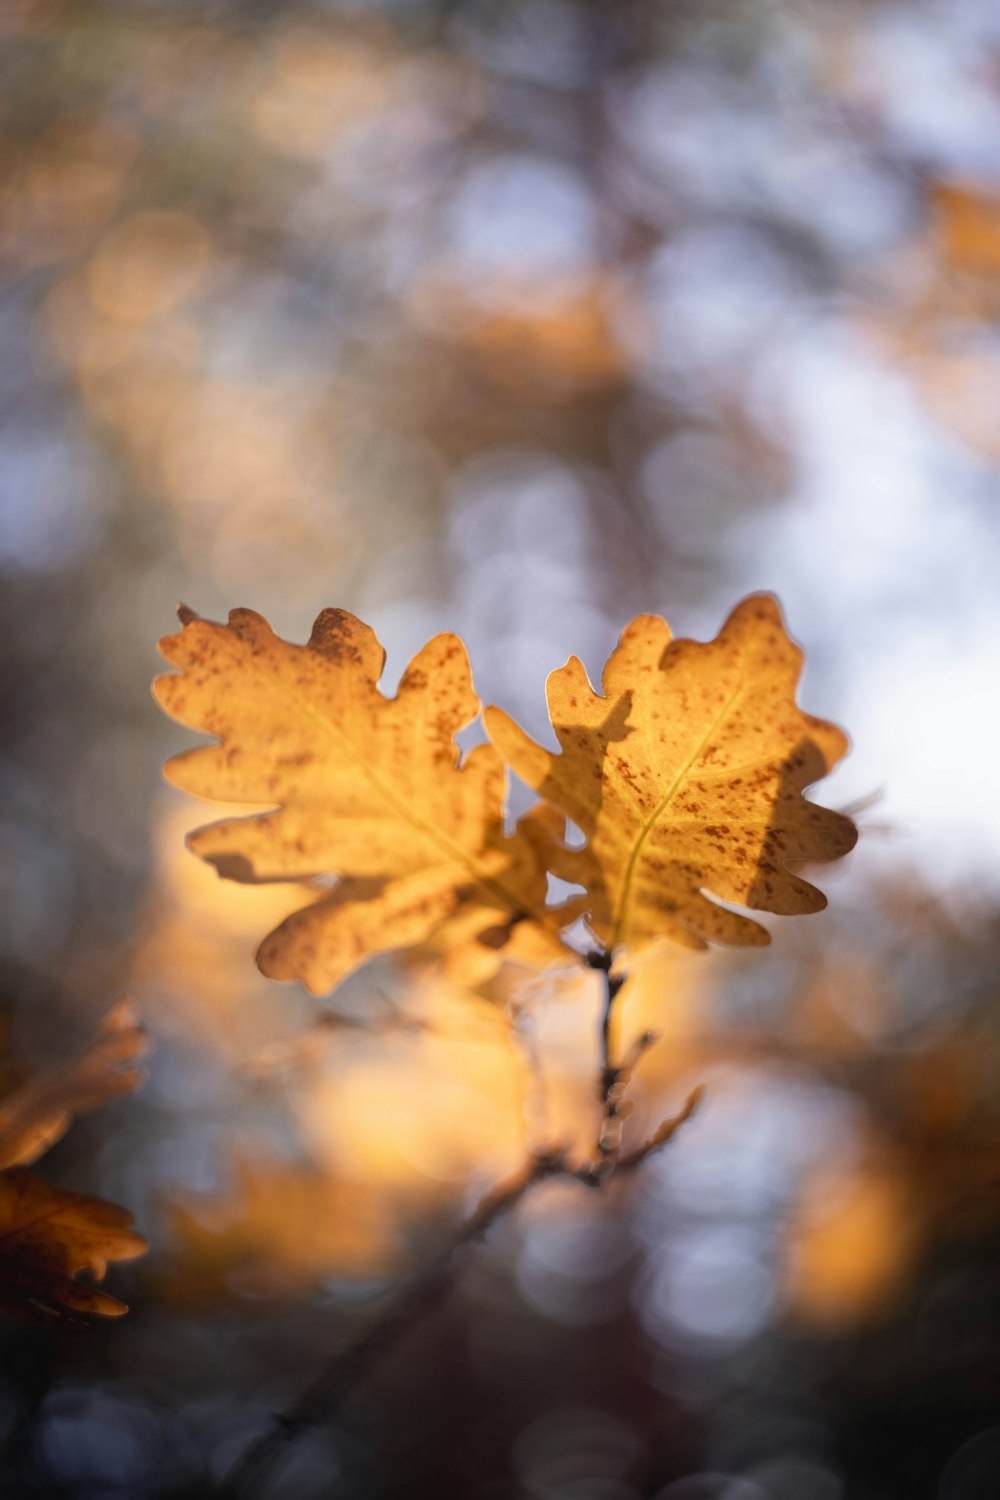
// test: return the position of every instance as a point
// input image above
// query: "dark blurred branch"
(342, 1374)
(614, 1077)
(346, 1370)
(349, 1368)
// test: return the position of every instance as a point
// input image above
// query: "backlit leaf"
(686, 776)
(364, 787)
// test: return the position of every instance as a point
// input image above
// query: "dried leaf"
(46, 1236)
(367, 788)
(471, 955)
(686, 777)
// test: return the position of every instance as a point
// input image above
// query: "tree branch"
(347, 1369)
(614, 1077)
(326, 1395)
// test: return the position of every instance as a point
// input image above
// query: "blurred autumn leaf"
(48, 1234)
(966, 222)
(369, 788)
(686, 776)
(281, 1230)
(851, 1240)
(41, 1110)
(938, 323)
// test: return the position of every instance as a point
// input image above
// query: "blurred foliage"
(46, 1234)
(517, 319)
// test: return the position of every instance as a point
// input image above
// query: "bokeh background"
(515, 319)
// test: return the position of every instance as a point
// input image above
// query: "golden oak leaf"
(686, 776)
(469, 954)
(46, 1233)
(367, 788)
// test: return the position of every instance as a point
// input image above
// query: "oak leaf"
(363, 787)
(686, 776)
(48, 1234)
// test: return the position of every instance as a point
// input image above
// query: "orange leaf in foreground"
(364, 787)
(686, 776)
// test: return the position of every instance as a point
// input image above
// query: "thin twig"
(613, 1078)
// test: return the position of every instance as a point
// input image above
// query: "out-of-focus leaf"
(686, 777)
(39, 1113)
(566, 343)
(967, 225)
(281, 1230)
(367, 788)
(47, 1235)
(851, 1242)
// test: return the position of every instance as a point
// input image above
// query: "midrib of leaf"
(661, 807)
(452, 852)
